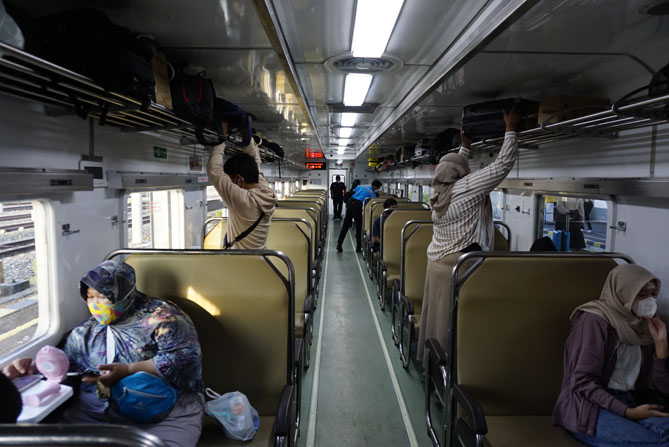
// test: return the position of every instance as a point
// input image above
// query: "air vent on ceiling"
(657, 8)
(370, 65)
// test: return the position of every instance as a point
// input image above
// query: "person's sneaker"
(339, 249)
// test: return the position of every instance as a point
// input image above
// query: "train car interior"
(364, 316)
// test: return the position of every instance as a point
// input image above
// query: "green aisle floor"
(355, 392)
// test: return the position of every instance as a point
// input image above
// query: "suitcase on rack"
(485, 120)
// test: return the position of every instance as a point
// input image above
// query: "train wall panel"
(646, 238)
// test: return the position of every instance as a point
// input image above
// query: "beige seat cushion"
(212, 435)
(392, 235)
(299, 324)
(526, 431)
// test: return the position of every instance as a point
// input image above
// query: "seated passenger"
(146, 334)
(543, 244)
(616, 366)
(249, 198)
(354, 212)
(376, 230)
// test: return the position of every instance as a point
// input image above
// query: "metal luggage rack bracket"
(631, 114)
(28, 77)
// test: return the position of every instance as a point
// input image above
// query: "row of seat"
(400, 265)
(297, 230)
(496, 367)
(499, 317)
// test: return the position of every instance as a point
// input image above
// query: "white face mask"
(646, 308)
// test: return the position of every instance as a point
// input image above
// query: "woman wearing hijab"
(462, 216)
(616, 372)
(129, 332)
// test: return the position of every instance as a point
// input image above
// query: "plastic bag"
(9, 30)
(234, 413)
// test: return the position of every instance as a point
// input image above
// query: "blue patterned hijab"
(149, 329)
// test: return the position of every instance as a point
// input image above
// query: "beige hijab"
(451, 168)
(615, 303)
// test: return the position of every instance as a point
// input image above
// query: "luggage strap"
(242, 235)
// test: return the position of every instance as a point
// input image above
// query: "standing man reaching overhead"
(249, 198)
(337, 191)
(354, 211)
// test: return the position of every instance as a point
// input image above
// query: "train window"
(161, 214)
(24, 273)
(427, 190)
(215, 206)
(584, 219)
(497, 198)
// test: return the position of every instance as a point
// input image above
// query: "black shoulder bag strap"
(227, 245)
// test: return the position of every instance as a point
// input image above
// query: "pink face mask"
(52, 363)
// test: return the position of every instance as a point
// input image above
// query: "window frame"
(178, 235)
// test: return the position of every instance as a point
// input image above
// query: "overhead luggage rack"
(631, 114)
(25, 76)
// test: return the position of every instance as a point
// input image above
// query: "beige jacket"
(244, 205)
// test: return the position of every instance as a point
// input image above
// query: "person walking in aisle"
(337, 191)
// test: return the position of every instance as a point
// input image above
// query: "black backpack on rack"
(193, 99)
(444, 142)
(237, 118)
(87, 42)
(278, 150)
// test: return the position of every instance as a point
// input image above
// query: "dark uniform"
(337, 190)
(354, 213)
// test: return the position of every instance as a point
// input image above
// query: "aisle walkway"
(363, 395)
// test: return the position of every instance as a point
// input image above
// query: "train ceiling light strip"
(356, 88)
(374, 24)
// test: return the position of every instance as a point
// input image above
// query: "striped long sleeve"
(466, 221)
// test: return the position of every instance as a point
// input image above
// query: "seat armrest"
(309, 304)
(299, 342)
(282, 424)
(395, 283)
(474, 426)
(438, 355)
(408, 305)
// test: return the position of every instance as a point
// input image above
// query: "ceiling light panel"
(356, 87)
(345, 132)
(374, 23)
(348, 119)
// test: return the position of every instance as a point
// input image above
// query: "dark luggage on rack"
(278, 150)
(237, 118)
(409, 151)
(444, 142)
(486, 120)
(87, 42)
(193, 99)
(659, 84)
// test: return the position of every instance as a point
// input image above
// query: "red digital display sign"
(311, 154)
(316, 166)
